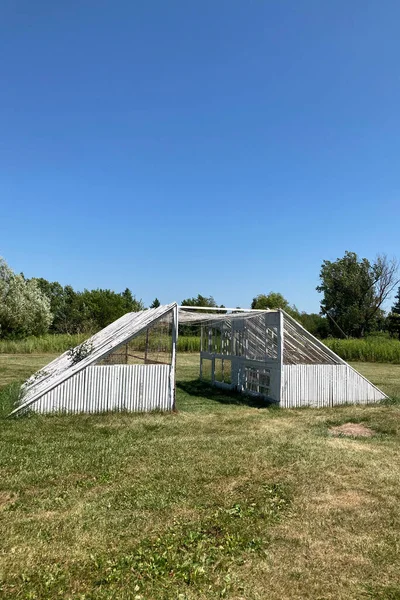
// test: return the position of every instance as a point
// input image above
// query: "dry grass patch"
(7, 500)
(341, 499)
(352, 430)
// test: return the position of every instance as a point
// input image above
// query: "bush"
(24, 309)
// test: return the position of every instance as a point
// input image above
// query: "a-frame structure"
(89, 380)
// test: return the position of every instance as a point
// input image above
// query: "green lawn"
(221, 500)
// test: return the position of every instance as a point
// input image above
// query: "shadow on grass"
(203, 390)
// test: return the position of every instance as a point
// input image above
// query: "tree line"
(37, 306)
(353, 290)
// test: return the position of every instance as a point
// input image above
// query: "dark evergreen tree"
(393, 320)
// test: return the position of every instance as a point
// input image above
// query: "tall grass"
(60, 343)
(46, 343)
(188, 343)
(370, 349)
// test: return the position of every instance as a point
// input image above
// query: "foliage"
(155, 303)
(393, 320)
(354, 290)
(87, 311)
(396, 305)
(106, 306)
(201, 301)
(54, 291)
(274, 300)
(315, 324)
(194, 330)
(24, 309)
(80, 352)
(393, 324)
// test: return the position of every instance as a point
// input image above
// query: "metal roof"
(100, 344)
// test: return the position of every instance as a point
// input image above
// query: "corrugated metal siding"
(326, 385)
(110, 388)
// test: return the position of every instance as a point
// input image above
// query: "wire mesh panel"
(152, 346)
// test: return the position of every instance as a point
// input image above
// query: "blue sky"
(217, 147)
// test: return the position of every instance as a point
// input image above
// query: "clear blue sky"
(177, 147)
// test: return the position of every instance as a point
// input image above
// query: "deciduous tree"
(354, 291)
(24, 309)
(272, 301)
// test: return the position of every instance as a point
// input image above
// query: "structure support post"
(280, 358)
(175, 325)
(146, 350)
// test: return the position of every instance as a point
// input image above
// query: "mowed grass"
(220, 500)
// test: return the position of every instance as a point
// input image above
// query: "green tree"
(396, 305)
(207, 301)
(393, 320)
(354, 290)
(55, 293)
(102, 307)
(24, 309)
(155, 303)
(130, 303)
(315, 324)
(201, 301)
(272, 301)
(74, 315)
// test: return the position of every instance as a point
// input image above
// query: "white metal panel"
(110, 388)
(326, 385)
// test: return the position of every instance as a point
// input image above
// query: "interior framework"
(243, 354)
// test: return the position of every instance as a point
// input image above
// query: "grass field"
(221, 500)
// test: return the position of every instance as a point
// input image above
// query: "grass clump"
(9, 396)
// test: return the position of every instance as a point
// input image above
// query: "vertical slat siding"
(106, 388)
(325, 385)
